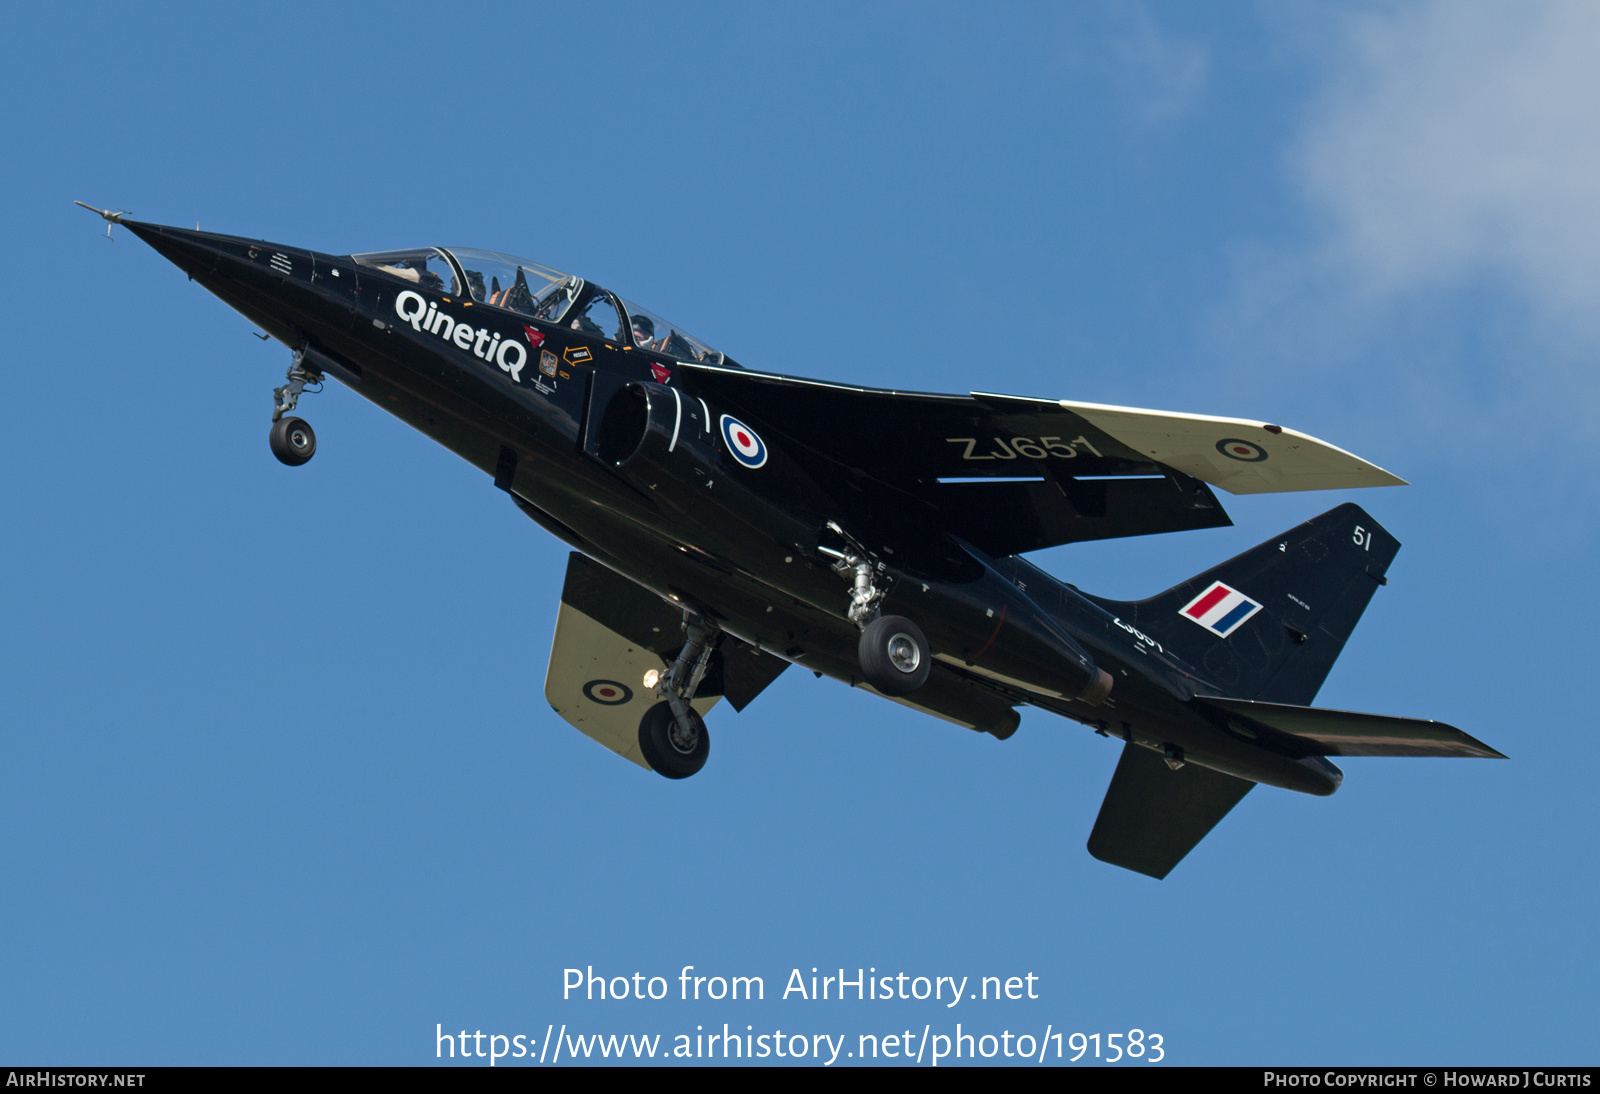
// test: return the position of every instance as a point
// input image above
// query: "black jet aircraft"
(728, 523)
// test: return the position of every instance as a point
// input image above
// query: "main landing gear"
(672, 735)
(892, 651)
(673, 749)
(894, 655)
(292, 439)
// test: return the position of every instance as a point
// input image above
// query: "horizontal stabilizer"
(1152, 816)
(1315, 731)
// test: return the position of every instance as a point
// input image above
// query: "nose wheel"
(292, 439)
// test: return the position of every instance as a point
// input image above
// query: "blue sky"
(278, 781)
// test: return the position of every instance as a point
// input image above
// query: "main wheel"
(667, 748)
(292, 441)
(894, 655)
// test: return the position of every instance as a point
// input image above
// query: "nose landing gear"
(292, 440)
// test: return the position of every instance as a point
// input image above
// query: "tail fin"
(1268, 624)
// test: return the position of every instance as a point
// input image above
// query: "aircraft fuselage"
(524, 401)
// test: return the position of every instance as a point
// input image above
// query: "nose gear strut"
(292, 439)
(300, 375)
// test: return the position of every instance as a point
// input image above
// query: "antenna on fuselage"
(111, 218)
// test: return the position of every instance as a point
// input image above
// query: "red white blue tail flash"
(743, 444)
(1220, 609)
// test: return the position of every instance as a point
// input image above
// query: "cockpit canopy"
(537, 291)
(650, 331)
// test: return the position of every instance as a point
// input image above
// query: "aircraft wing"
(1237, 454)
(594, 682)
(609, 633)
(1067, 449)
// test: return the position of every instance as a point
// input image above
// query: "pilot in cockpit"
(644, 332)
(519, 297)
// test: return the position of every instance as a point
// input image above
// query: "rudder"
(1269, 624)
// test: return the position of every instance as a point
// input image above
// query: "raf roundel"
(1244, 451)
(743, 444)
(608, 692)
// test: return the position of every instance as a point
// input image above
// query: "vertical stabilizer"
(1269, 624)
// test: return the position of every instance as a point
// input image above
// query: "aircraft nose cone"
(194, 252)
(270, 284)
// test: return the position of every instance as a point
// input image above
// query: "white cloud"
(1158, 76)
(1460, 139)
(1445, 292)
(1167, 74)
